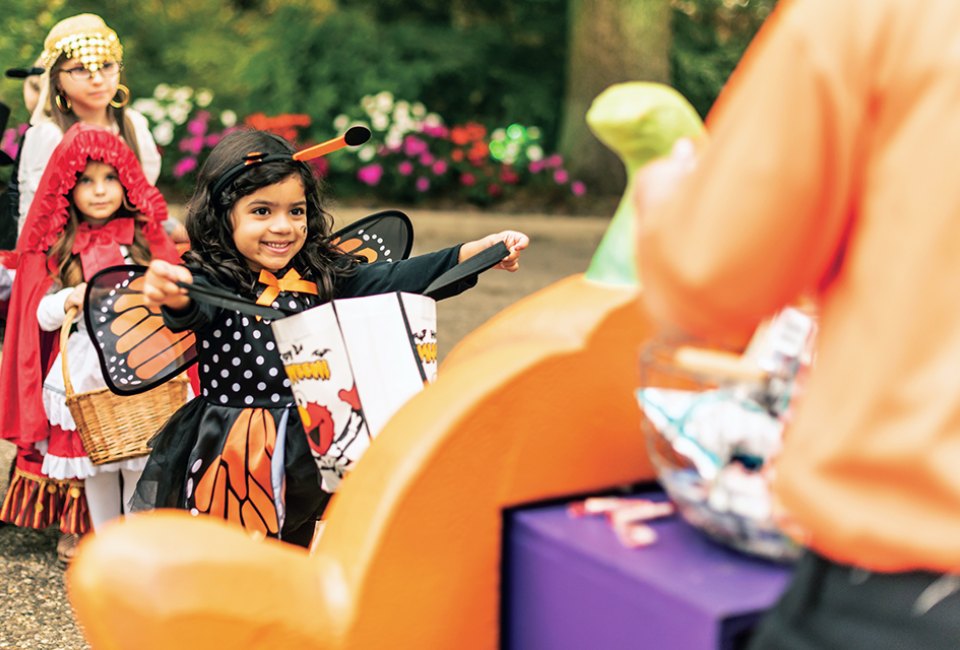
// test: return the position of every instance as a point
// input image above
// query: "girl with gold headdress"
(82, 60)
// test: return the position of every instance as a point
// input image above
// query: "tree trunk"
(610, 41)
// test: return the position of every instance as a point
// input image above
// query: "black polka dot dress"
(239, 450)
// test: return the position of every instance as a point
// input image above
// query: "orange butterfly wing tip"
(164, 358)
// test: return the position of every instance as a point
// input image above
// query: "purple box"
(569, 583)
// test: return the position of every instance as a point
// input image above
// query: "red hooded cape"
(27, 351)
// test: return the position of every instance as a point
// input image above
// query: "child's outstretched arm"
(160, 285)
(515, 241)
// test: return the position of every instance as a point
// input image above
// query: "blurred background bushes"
(492, 63)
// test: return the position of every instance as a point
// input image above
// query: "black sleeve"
(194, 316)
(413, 275)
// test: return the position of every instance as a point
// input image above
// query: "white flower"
(340, 122)
(162, 91)
(533, 133)
(498, 134)
(228, 118)
(394, 139)
(534, 152)
(367, 152)
(418, 109)
(163, 133)
(432, 119)
(384, 101)
(203, 98)
(179, 113)
(369, 104)
(401, 111)
(182, 93)
(380, 122)
(145, 105)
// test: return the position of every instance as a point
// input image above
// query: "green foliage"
(709, 38)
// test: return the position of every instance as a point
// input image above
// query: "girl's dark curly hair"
(210, 226)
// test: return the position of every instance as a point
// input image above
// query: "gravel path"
(34, 612)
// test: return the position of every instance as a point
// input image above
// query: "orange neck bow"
(289, 282)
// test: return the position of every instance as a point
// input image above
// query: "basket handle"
(64, 335)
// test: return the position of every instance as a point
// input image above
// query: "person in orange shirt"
(829, 172)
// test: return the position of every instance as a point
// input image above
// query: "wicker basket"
(115, 427)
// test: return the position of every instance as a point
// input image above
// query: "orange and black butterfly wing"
(380, 237)
(137, 351)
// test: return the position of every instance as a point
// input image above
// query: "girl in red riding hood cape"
(93, 209)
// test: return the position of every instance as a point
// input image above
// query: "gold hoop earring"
(123, 91)
(60, 100)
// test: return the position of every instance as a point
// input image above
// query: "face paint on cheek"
(303, 230)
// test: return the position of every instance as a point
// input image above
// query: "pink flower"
(438, 131)
(426, 159)
(468, 180)
(405, 168)
(423, 184)
(212, 140)
(440, 167)
(508, 176)
(192, 145)
(494, 190)
(184, 166)
(578, 188)
(536, 166)
(370, 174)
(553, 161)
(561, 176)
(413, 146)
(198, 125)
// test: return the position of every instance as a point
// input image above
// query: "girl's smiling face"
(270, 224)
(98, 193)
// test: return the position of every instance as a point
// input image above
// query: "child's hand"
(75, 299)
(515, 241)
(160, 285)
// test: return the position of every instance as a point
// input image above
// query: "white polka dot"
(293, 304)
(224, 373)
(223, 399)
(256, 334)
(248, 374)
(259, 360)
(286, 383)
(273, 372)
(196, 465)
(226, 347)
(236, 361)
(247, 347)
(245, 321)
(274, 398)
(236, 336)
(236, 387)
(189, 487)
(206, 367)
(270, 345)
(216, 358)
(214, 383)
(217, 333)
(194, 512)
(205, 392)
(228, 322)
(205, 344)
(275, 305)
(248, 399)
(261, 386)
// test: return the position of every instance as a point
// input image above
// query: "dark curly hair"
(210, 227)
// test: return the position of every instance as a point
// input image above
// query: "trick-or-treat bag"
(354, 362)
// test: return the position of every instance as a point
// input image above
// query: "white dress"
(41, 139)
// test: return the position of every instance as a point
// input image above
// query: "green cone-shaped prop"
(638, 121)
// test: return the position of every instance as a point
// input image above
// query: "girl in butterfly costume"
(258, 228)
(94, 208)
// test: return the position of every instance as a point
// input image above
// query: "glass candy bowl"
(712, 426)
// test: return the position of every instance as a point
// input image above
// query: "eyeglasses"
(108, 70)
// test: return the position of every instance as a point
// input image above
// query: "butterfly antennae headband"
(354, 136)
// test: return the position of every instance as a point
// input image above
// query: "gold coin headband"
(91, 50)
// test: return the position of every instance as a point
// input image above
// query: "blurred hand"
(514, 240)
(160, 285)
